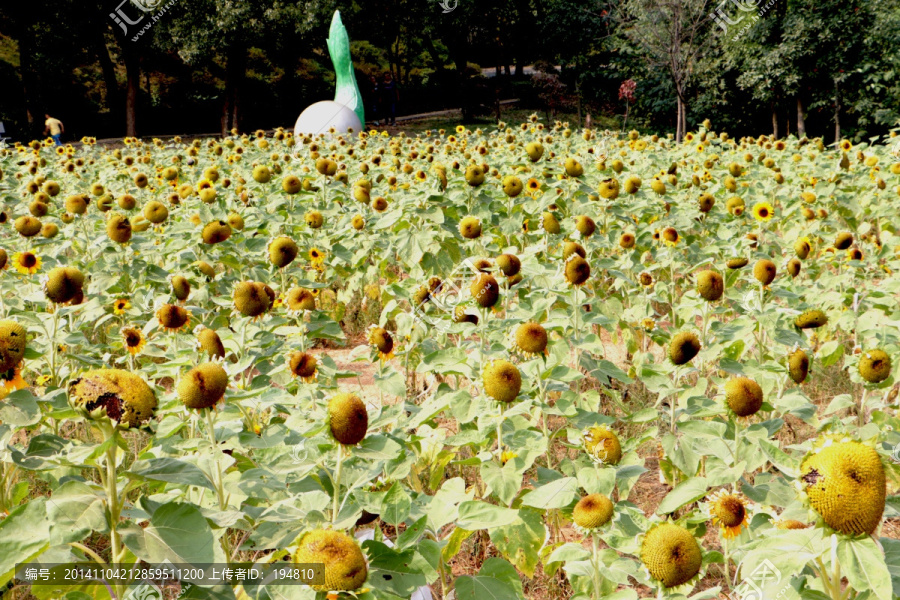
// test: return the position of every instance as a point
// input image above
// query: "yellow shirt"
(55, 125)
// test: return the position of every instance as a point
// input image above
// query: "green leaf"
(497, 580)
(75, 511)
(684, 493)
(178, 533)
(556, 494)
(20, 409)
(520, 542)
(24, 535)
(481, 515)
(396, 505)
(504, 482)
(393, 570)
(862, 562)
(170, 470)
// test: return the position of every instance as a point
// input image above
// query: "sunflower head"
(549, 223)
(735, 205)
(737, 263)
(585, 226)
(381, 340)
(470, 228)
(181, 288)
(252, 298)
(811, 319)
(345, 564)
(843, 240)
(121, 396)
(730, 511)
(793, 267)
(798, 365)
(12, 344)
(485, 290)
(299, 299)
(743, 396)
(210, 343)
(302, 364)
(118, 228)
(763, 211)
(282, 251)
(573, 167)
(134, 340)
(314, 219)
(593, 511)
(203, 386)
(535, 151)
(3, 259)
(577, 270)
(764, 271)
(216, 232)
(291, 184)
(512, 186)
(531, 338)
(262, 174)
(671, 554)
(63, 284)
(802, 248)
(347, 418)
(710, 285)
(28, 226)
(509, 264)
(845, 483)
(474, 175)
(627, 240)
(172, 317)
(602, 445)
(461, 316)
(683, 347)
(570, 248)
(609, 188)
(155, 212)
(875, 365)
(502, 380)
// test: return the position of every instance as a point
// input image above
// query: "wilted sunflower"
(347, 418)
(485, 290)
(602, 445)
(303, 365)
(381, 340)
(26, 263)
(502, 380)
(531, 338)
(512, 186)
(172, 318)
(208, 341)
(730, 511)
(843, 240)
(13, 339)
(203, 386)
(683, 347)
(671, 554)
(592, 512)
(314, 219)
(577, 270)
(118, 229)
(585, 226)
(798, 365)
(737, 263)
(710, 285)
(121, 305)
(282, 251)
(763, 211)
(252, 298)
(299, 299)
(509, 264)
(120, 395)
(215, 232)
(845, 482)
(63, 284)
(764, 271)
(345, 565)
(470, 228)
(874, 365)
(133, 339)
(811, 319)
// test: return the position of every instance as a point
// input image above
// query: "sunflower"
(11, 381)
(763, 211)
(670, 236)
(602, 445)
(532, 186)
(121, 305)
(316, 257)
(730, 511)
(381, 340)
(134, 340)
(303, 365)
(173, 318)
(846, 146)
(26, 263)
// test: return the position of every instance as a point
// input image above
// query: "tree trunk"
(801, 123)
(519, 68)
(506, 68)
(837, 113)
(683, 118)
(113, 92)
(234, 73)
(29, 81)
(132, 88)
(774, 118)
(678, 120)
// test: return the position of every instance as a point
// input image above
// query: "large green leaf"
(24, 535)
(481, 515)
(864, 566)
(556, 494)
(684, 493)
(178, 533)
(497, 580)
(520, 542)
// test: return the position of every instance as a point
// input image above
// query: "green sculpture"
(346, 91)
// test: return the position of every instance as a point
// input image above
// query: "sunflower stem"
(53, 346)
(727, 565)
(114, 508)
(211, 432)
(861, 416)
(500, 435)
(595, 562)
(336, 501)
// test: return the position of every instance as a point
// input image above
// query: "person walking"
(374, 98)
(55, 128)
(390, 97)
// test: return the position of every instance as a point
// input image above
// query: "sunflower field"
(525, 362)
